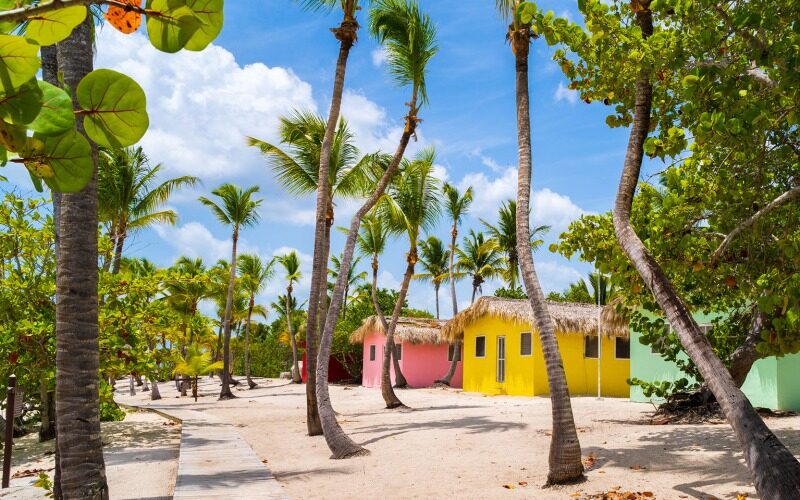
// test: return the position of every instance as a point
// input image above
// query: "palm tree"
(434, 259)
(410, 205)
(129, 200)
(775, 470)
(298, 167)
(505, 234)
(80, 447)
(372, 239)
(185, 290)
(291, 265)
(196, 362)
(456, 205)
(480, 259)
(238, 210)
(353, 278)
(255, 275)
(565, 449)
(409, 37)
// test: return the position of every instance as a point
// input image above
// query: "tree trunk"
(296, 377)
(225, 392)
(385, 324)
(120, 241)
(138, 378)
(145, 387)
(47, 429)
(390, 350)
(340, 443)
(457, 344)
(565, 449)
(155, 394)
(775, 471)
(346, 34)
(745, 355)
(80, 446)
(436, 292)
(250, 382)
(131, 386)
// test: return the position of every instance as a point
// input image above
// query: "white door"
(501, 359)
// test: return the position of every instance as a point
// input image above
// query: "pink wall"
(422, 364)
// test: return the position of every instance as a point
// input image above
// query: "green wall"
(772, 382)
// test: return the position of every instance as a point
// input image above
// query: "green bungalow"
(772, 383)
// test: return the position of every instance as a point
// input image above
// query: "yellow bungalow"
(502, 354)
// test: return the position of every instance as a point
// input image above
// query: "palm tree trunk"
(457, 344)
(250, 382)
(775, 471)
(565, 449)
(50, 75)
(225, 392)
(46, 426)
(77, 347)
(340, 443)
(436, 292)
(389, 397)
(346, 34)
(296, 378)
(155, 394)
(131, 385)
(120, 241)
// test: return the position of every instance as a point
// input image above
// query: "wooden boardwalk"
(215, 462)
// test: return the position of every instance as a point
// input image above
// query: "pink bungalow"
(424, 356)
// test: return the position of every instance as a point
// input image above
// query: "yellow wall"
(526, 375)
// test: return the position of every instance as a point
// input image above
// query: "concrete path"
(215, 462)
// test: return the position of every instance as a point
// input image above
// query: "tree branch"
(21, 14)
(769, 207)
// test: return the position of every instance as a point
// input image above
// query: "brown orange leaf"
(126, 21)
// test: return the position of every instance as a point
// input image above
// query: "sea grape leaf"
(52, 27)
(21, 105)
(64, 162)
(12, 137)
(56, 115)
(170, 24)
(209, 13)
(19, 62)
(115, 108)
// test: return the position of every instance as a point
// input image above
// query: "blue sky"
(273, 57)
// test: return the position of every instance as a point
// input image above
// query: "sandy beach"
(141, 455)
(455, 444)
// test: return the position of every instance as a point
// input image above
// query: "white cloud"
(195, 240)
(553, 209)
(440, 172)
(203, 104)
(379, 56)
(387, 280)
(288, 211)
(373, 129)
(555, 277)
(490, 192)
(565, 94)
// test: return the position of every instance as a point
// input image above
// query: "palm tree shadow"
(471, 425)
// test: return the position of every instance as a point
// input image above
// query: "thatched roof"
(569, 317)
(412, 330)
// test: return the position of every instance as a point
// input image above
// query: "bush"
(109, 410)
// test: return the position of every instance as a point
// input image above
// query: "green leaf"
(209, 14)
(22, 104)
(115, 108)
(170, 24)
(64, 162)
(19, 62)
(12, 137)
(56, 116)
(56, 25)
(690, 80)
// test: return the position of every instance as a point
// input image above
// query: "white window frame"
(484, 346)
(617, 339)
(373, 352)
(520, 345)
(585, 337)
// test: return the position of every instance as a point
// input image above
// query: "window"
(525, 345)
(450, 351)
(622, 348)
(480, 347)
(590, 346)
(501, 359)
(398, 349)
(372, 352)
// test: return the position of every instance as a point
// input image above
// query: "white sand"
(469, 446)
(141, 456)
